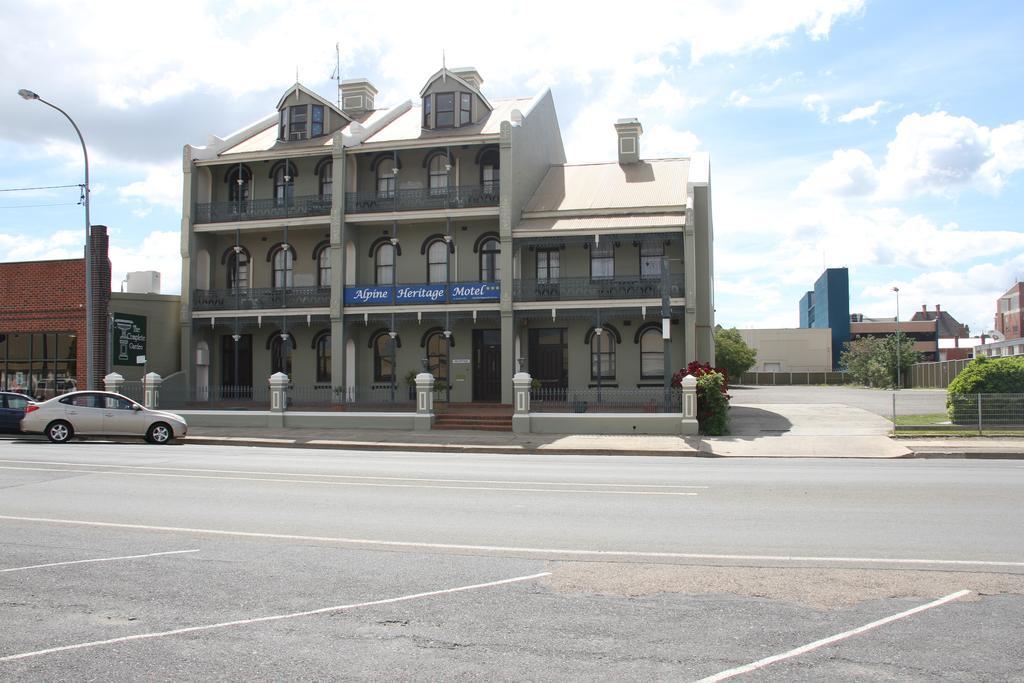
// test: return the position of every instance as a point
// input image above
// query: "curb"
(965, 455)
(324, 444)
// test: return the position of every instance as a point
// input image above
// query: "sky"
(884, 137)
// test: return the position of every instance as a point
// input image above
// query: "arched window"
(326, 179)
(437, 357)
(322, 345)
(239, 180)
(282, 266)
(284, 185)
(602, 355)
(652, 354)
(490, 173)
(281, 353)
(323, 266)
(386, 178)
(437, 261)
(438, 179)
(490, 260)
(383, 358)
(385, 264)
(238, 269)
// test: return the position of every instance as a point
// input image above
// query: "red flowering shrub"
(713, 407)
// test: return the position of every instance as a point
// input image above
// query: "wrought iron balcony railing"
(260, 299)
(259, 209)
(456, 197)
(572, 288)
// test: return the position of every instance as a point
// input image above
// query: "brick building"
(1010, 313)
(43, 321)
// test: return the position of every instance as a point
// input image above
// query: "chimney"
(470, 75)
(938, 308)
(629, 131)
(356, 96)
(924, 309)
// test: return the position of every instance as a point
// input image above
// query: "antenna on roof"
(336, 74)
(444, 68)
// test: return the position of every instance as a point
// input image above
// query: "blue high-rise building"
(828, 306)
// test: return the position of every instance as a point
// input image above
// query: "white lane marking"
(353, 476)
(98, 559)
(275, 617)
(761, 663)
(511, 549)
(350, 483)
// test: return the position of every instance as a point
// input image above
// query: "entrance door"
(236, 367)
(486, 365)
(548, 360)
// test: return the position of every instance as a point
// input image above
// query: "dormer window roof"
(448, 99)
(304, 115)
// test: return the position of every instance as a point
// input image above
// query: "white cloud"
(738, 99)
(161, 185)
(867, 113)
(63, 244)
(817, 104)
(931, 154)
(668, 99)
(661, 140)
(160, 250)
(850, 173)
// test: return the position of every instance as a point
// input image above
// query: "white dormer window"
(297, 122)
(445, 106)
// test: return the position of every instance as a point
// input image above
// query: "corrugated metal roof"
(586, 187)
(409, 126)
(599, 223)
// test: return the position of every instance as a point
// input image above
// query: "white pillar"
(424, 419)
(151, 390)
(689, 423)
(278, 392)
(113, 382)
(521, 394)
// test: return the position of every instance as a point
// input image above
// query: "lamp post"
(899, 378)
(90, 380)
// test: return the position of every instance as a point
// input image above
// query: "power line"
(47, 187)
(36, 206)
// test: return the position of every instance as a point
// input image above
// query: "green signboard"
(129, 339)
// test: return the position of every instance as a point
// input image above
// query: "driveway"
(877, 401)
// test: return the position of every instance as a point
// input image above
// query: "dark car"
(12, 410)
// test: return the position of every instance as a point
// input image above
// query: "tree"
(872, 360)
(732, 354)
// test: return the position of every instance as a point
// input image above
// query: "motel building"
(352, 247)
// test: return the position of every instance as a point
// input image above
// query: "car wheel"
(159, 433)
(59, 431)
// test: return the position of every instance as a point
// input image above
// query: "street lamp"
(90, 380)
(899, 378)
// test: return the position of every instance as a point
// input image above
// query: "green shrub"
(986, 376)
(714, 409)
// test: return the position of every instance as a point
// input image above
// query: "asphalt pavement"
(197, 562)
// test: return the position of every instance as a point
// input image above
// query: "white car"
(100, 413)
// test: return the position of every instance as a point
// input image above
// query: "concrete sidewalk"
(778, 446)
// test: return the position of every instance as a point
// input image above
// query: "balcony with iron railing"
(262, 298)
(577, 288)
(262, 209)
(453, 197)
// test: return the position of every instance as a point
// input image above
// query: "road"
(132, 561)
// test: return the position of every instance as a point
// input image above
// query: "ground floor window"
(322, 344)
(40, 364)
(437, 358)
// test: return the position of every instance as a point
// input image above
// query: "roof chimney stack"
(938, 308)
(629, 131)
(356, 96)
(470, 75)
